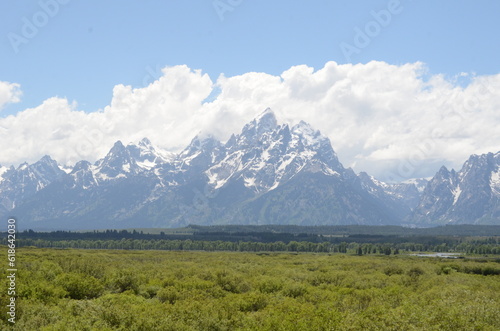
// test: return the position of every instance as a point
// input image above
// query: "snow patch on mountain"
(148, 155)
(3, 170)
(495, 182)
(249, 182)
(126, 167)
(456, 194)
(146, 164)
(307, 135)
(66, 169)
(420, 183)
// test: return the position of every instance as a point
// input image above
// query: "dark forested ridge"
(268, 233)
(468, 239)
(387, 230)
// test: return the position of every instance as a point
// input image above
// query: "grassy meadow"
(74, 289)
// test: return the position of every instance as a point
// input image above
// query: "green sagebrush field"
(181, 290)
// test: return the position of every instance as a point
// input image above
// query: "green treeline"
(473, 245)
(340, 239)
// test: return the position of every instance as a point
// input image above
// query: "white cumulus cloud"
(393, 121)
(9, 93)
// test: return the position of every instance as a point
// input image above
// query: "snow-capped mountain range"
(470, 195)
(267, 174)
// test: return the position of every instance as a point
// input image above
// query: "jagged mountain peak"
(201, 144)
(444, 174)
(135, 158)
(6, 171)
(304, 128)
(145, 142)
(264, 122)
(309, 136)
(483, 161)
(365, 176)
(116, 164)
(83, 175)
(46, 159)
(201, 140)
(147, 155)
(231, 141)
(312, 139)
(482, 157)
(199, 155)
(400, 198)
(23, 166)
(81, 165)
(118, 150)
(3, 172)
(266, 156)
(462, 197)
(266, 118)
(443, 170)
(46, 163)
(24, 181)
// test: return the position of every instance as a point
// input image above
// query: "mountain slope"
(16, 185)
(471, 195)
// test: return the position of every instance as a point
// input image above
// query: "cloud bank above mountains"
(392, 121)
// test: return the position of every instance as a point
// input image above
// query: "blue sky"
(90, 46)
(80, 51)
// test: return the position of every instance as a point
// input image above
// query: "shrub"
(41, 290)
(448, 269)
(393, 270)
(50, 270)
(326, 278)
(270, 285)
(415, 272)
(83, 265)
(150, 291)
(481, 270)
(125, 280)
(168, 294)
(253, 302)
(294, 290)
(231, 283)
(80, 286)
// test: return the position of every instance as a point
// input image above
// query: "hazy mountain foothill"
(269, 173)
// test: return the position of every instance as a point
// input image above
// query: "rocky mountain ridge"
(267, 174)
